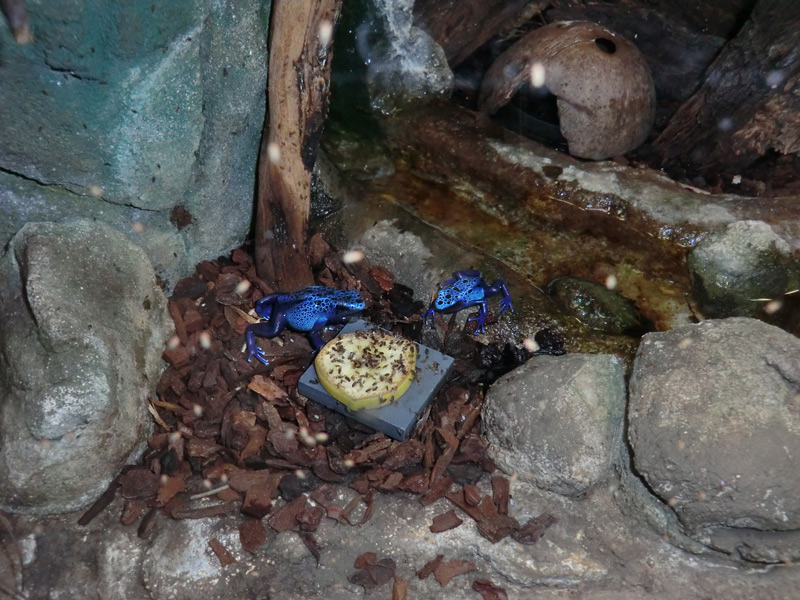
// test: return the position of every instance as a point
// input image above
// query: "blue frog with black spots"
(468, 288)
(308, 310)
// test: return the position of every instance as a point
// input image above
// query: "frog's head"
(349, 302)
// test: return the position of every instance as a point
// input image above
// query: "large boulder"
(736, 270)
(145, 116)
(82, 328)
(714, 429)
(556, 421)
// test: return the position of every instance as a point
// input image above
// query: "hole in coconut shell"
(606, 45)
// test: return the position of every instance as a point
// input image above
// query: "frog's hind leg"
(483, 312)
(265, 329)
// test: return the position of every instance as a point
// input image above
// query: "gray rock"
(125, 111)
(732, 268)
(556, 421)
(715, 431)
(596, 306)
(82, 328)
(597, 550)
(193, 570)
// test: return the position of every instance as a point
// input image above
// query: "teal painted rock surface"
(125, 111)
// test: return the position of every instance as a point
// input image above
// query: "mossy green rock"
(735, 271)
(596, 306)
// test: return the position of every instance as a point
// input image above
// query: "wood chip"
(488, 590)
(266, 387)
(534, 529)
(178, 357)
(445, 521)
(131, 512)
(372, 572)
(400, 589)
(252, 534)
(285, 518)
(491, 524)
(452, 568)
(405, 455)
(430, 567)
(501, 493)
(181, 511)
(415, 483)
(310, 518)
(311, 543)
(472, 495)
(438, 489)
(258, 500)
(168, 489)
(139, 482)
(225, 557)
(384, 278)
(147, 525)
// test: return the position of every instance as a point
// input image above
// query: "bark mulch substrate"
(234, 436)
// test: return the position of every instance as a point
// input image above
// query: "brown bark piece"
(488, 590)
(534, 529)
(131, 512)
(266, 387)
(372, 572)
(311, 543)
(178, 510)
(416, 483)
(258, 500)
(492, 525)
(438, 489)
(285, 518)
(252, 534)
(400, 589)
(501, 493)
(404, 455)
(298, 93)
(472, 495)
(310, 518)
(445, 522)
(452, 568)
(17, 17)
(138, 482)
(225, 557)
(171, 487)
(430, 567)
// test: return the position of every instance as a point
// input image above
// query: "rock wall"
(145, 116)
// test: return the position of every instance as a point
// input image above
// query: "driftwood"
(17, 17)
(462, 26)
(749, 102)
(299, 81)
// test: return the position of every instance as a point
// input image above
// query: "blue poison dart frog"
(468, 289)
(309, 309)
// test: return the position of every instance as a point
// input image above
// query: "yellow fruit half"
(366, 369)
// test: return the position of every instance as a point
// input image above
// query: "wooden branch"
(749, 102)
(462, 26)
(299, 81)
(17, 17)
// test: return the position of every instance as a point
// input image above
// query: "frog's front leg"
(265, 329)
(316, 330)
(497, 287)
